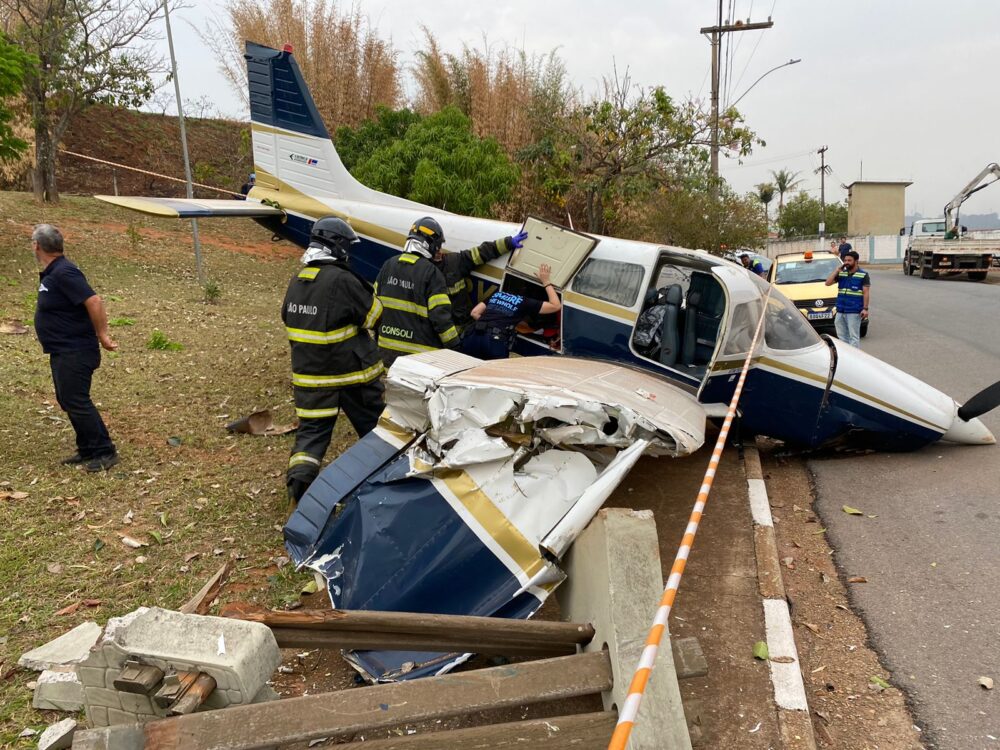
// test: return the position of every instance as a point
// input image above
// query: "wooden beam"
(194, 696)
(458, 627)
(444, 642)
(576, 732)
(200, 603)
(364, 709)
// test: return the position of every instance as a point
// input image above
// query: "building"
(875, 207)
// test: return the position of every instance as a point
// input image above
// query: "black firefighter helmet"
(335, 234)
(428, 230)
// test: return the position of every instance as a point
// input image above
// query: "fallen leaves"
(986, 683)
(133, 543)
(857, 579)
(72, 608)
(13, 495)
(852, 511)
(760, 651)
(879, 681)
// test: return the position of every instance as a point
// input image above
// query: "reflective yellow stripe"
(450, 335)
(309, 272)
(477, 257)
(305, 336)
(404, 346)
(374, 313)
(438, 299)
(332, 381)
(408, 258)
(459, 287)
(401, 304)
(302, 458)
(316, 413)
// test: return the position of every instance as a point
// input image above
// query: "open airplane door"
(565, 251)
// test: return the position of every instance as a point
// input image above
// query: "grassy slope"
(221, 496)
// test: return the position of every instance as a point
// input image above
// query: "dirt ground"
(849, 709)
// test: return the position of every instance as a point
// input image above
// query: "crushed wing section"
(192, 208)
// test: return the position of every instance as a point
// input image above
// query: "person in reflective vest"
(417, 313)
(853, 293)
(457, 267)
(492, 334)
(328, 313)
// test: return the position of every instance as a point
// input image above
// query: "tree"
(349, 69)
(619, 148)
(88, 51)
(802, 214)
(435, 160)
(765, 194)
(355, 145)
(784, 182)
(14, 64)
(692, 218)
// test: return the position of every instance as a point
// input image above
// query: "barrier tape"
(146, 171)
(630, 710)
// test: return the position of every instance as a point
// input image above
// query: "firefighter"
(456, 267)
(328, 312)
(417, 314)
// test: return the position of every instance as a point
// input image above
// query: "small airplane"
(807, 390)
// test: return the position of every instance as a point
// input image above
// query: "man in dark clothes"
(70, 320)
(492, 334)
(844, 248)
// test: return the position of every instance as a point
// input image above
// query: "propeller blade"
(982, 402)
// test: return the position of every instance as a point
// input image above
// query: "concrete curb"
(786, 676)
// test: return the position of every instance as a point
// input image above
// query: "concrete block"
(241, 655)
(136, 703)
(615, 581)
(58, 690)
(69, 648)
(235, 696)
(116, 717)
(91, 676)
(114, 655)
(265, 695)
(97, 716)
(96, 696)
(689, 659)
(110, 738)
(95, 659)
(58, 735)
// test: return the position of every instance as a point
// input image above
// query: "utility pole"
(184, 143)
(716, 33)
(822, 191)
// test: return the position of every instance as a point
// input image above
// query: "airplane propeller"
(982, 402)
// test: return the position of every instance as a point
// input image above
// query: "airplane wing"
(191, 208)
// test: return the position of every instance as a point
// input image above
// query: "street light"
(776, 67)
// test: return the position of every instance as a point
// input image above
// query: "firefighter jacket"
(328, 313)
(416, 313)
(456, 268)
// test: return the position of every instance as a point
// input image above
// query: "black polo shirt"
(61, 319)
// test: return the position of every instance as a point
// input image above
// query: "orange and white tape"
(630, 710)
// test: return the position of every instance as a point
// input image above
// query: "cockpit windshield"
(805, 272)
(784, 326)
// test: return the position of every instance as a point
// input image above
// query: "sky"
(896, 91)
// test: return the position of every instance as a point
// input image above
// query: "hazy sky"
(898, 91)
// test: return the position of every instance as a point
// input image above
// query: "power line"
(772, 160)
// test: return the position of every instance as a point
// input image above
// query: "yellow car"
(801, 277)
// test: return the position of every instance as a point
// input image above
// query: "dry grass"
(214, 494)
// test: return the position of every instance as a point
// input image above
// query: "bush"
(213, 292)
(158, 340)
(121, 321)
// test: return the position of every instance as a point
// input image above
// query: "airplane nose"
(973, 432)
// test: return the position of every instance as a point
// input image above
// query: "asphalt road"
(932, 554)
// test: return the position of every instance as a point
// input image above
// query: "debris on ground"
(69, 648)
(260, 423)
(58, 689)
(58, 735)
(13, 328)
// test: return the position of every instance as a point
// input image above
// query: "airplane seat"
(706, 315)
(690, 336)
(649, 299)
(670, 332)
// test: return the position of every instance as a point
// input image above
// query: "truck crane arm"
(951, 209)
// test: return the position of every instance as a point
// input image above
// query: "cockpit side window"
(740, 333)
(610, 280)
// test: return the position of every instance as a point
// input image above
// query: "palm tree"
(765, 194)
(784, 182)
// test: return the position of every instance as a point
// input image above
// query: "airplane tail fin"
(293, 153)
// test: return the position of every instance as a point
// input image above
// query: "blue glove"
(518, 240)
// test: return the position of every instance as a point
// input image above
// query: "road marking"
(759, 507)
(789, 692)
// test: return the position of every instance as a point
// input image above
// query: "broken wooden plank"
(194, 696)
(494, 629)
(200, 603)
(443, 642)
(174, 686)
(579, 732)
(363, 709)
